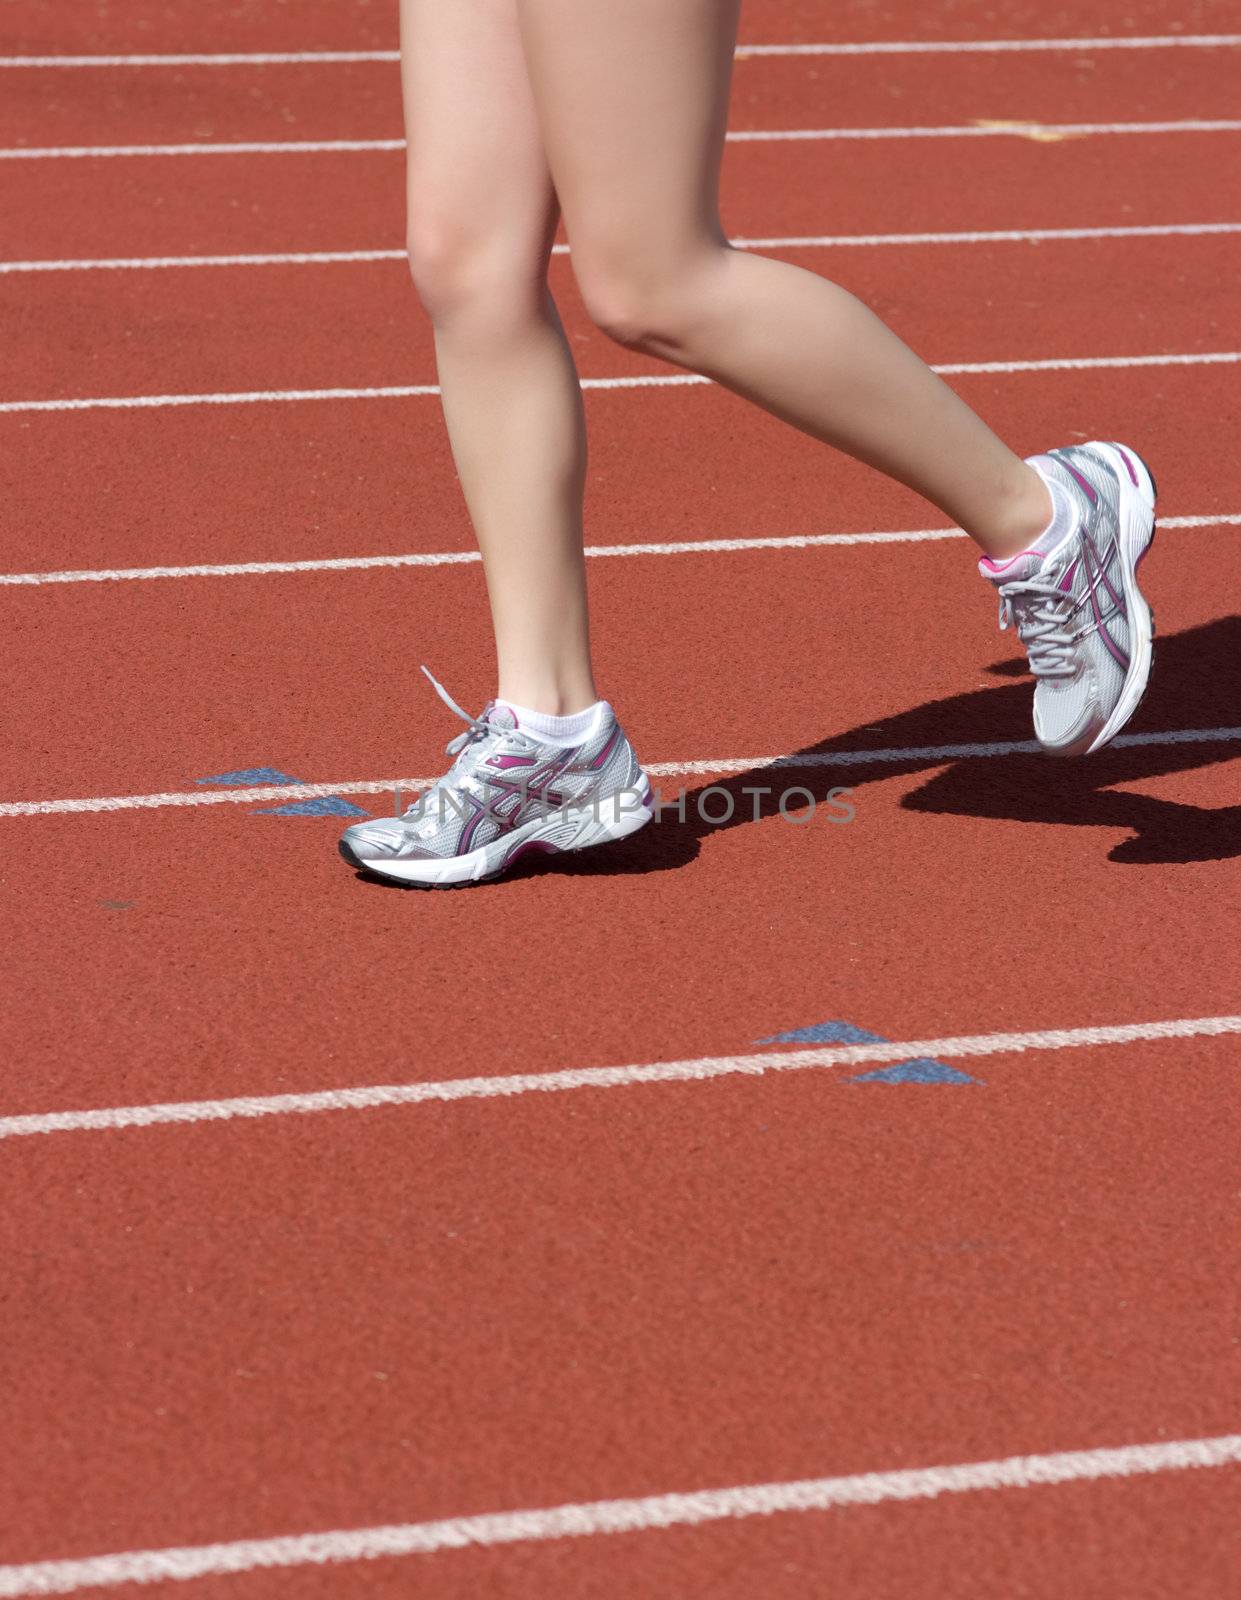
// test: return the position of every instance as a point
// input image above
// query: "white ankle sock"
(1063, 511)
(557, 730)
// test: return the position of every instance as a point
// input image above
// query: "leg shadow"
(1196, 685)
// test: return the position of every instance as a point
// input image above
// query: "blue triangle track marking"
(922, 1069)
(323, 805)
(327, 805)
(250, 775)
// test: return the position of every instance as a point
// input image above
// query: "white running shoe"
(1076, 605)
(508, 793)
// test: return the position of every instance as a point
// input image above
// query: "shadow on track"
(1196, 684)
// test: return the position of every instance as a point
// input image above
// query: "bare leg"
(632, 99)
(482, 215)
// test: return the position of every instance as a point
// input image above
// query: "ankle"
(1022, 512)
(549, 699)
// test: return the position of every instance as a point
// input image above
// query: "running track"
(362, 1242)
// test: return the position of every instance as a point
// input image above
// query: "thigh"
(478, 184)
(632, 99)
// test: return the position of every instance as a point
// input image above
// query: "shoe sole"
(1137, 534)
(614, 818)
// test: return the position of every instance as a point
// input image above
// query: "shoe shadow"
(1196, 684)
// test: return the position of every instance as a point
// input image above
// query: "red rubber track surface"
(221, 939)
(375, 477)
(253, 335)
(335, 201)
(1121, 1539)
(184, 104)
(524, 1304)
(255, 1328)
(45, 27)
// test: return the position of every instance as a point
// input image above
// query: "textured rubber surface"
(247, 1329)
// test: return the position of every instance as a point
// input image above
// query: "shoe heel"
(1129, 462)
(627, 811)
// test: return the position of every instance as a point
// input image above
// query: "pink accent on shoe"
(505, 762)
(1066, 583)
(606, 751)
(1068, 465)
(530, 847)
(466, 838)
(1109, 644)
(999, 566)
(1129, 464)
(1107, 584)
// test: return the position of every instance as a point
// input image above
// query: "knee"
(641, 314)
(466, 278)
(657, 310)
(438, 264)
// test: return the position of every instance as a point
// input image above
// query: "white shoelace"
(1041, 612)
(477, 729)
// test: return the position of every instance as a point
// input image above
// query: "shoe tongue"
(500, 716)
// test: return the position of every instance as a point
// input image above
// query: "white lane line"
(826, 241)
(265, 147)
(1229, 518)
(593, 1517)
(1200, 41)
(251, 58)
(924, 47)
(652, 380)
(1049, 131)
(442, 558)
(1020, 128)
(836, 241)
(245, 569)
(928, 754)
(286, 258)
(387, 392)
(698, 1070)
(1091, 363)
(446, 558)
(210, 797)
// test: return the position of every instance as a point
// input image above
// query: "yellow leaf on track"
(1028, 130)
